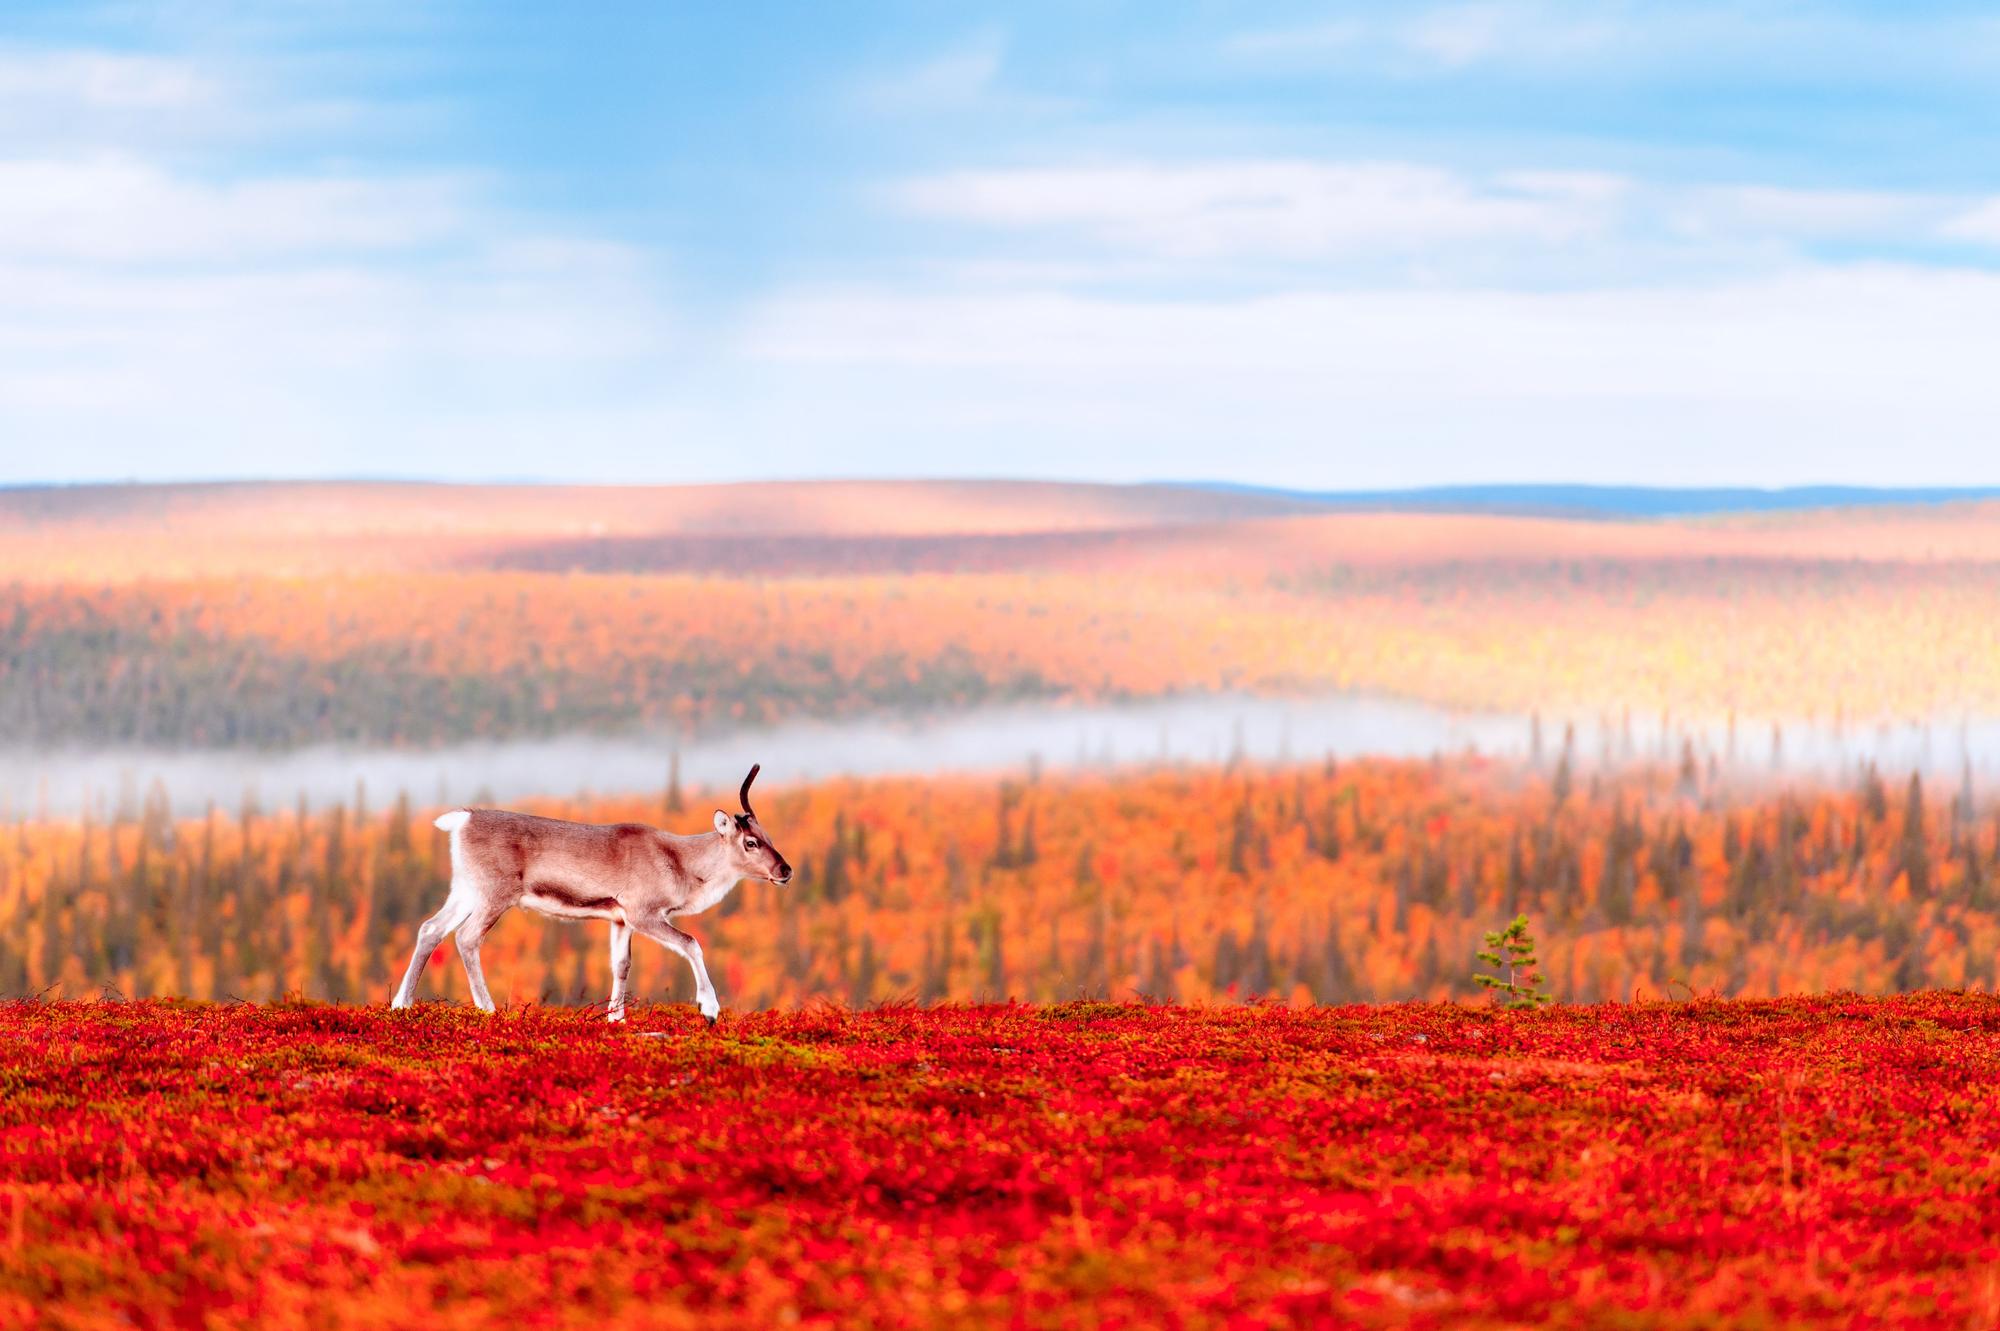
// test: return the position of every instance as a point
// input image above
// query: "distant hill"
(282, 615)
(873, 507)
(88, 534)
(1607, 501)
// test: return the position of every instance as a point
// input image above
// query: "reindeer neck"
(704, 857)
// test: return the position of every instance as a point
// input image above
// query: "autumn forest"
(1329, 882)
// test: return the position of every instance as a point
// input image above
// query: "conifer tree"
(1916, 856)
(1512, 950)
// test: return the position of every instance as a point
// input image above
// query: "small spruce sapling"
(1513, 950)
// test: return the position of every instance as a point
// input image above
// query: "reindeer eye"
(749, 843)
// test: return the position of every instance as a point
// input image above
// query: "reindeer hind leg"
(430, 934)
(470, 935)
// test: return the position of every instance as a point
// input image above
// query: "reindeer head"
(750, 850)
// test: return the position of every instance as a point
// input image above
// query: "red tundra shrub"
(1785, 1163)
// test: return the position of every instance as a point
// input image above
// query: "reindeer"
(630, 874)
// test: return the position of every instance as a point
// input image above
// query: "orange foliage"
(1371, 880)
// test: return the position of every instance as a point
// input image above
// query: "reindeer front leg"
(621, 968)
(666, 935)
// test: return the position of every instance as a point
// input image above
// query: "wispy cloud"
(1294, 212)
(1459, 35)
(1308, 40)
(173, 292)
(953, 79)
(1979, 222)
(1624, 321)
(1594, 39)
(964, 78)
(1289, 208)
(45, 81)
(1448, 37)
(77, 99)
(1396, 387)
(127, 209)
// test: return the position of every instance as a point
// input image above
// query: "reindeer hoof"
(712, 1020)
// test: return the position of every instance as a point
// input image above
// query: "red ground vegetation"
(1793, 1163)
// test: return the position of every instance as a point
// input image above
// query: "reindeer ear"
(722, 821)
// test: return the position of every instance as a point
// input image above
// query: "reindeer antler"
(744, 794)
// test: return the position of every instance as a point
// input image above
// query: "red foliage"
(1803, 1162)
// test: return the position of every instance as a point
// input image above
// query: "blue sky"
(1315, 245)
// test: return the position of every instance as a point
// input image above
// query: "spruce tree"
(1512, 950)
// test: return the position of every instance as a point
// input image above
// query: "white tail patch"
(451, 822)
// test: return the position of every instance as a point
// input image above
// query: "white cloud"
(1630, 39)
(1862, 372)
(1979, 222)
(1459, 35)
(965, 80)
(1761, 338)
(1811, 212)
(1284, 208)
(325, 366)
(1293, 219)
(172, 307)
(126, 209)
(1448, 37)
(1311, 40)
(98, 81)
(59, 101)
(952, 80)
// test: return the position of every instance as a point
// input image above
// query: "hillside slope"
(285, 615)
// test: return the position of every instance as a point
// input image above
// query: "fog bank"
(1055, 736)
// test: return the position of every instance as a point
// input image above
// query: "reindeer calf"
(630, 874)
